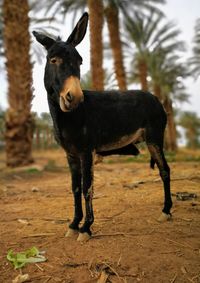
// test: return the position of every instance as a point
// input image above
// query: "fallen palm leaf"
(29, 256)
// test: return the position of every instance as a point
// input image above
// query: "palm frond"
(194, 61)
(151, 25)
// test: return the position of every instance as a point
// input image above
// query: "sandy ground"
(128, 244)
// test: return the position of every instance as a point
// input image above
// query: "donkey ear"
(79, 31)
(46, 41)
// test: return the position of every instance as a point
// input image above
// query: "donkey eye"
(53, 60)
(56, 60)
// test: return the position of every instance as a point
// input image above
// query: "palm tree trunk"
(170, 137)
(157, 91)
(37, 131)
(96, 43)
(142, 68)
(19, 122)
(112, 17)
(192, 138)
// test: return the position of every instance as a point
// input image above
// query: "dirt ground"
(128, 244)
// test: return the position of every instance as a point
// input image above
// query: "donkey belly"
(137, 136)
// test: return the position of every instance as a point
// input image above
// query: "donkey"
(104, 122)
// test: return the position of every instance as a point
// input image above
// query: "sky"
(183, 12)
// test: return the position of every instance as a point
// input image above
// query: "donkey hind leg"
(87, 160)
(157, 155)
(75, 168)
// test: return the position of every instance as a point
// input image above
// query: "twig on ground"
(136, 184)
(56, 220)
(108, 218)
(103, 277)
(119, 260)
(183, 270)
(108, 235)
(39, 267)
(39, 235)
(190, 280)
(47, 280)
(185, 178)
(113, 270)
(180, 244)
(116, 214)
(170, 252)
(196, 277)
(121, 234)
(74, 265)
(174, 278)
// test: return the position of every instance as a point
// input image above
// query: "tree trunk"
(157, 91)
(112, 17)
(170, 137)
(192, 138)
(142, 68)
(96, 59)
(19, 121)
(37, 137)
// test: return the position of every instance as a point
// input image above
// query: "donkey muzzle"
(71, 94)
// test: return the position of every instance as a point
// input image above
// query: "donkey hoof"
(164, 217)
(83, 237)
(71, 233)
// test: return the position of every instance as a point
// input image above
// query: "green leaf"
(29, 256)
(32, 252)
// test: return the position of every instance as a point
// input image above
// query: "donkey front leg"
(75, 168)
(87, 179)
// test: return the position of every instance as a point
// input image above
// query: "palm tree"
(191, 123)
(19, 122)
(167, 73)
(148, 35)
(113, 10)
(195, 60)
(166, 70)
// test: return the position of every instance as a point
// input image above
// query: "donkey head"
(62, 73)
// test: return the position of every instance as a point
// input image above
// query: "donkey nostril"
(69, 97)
